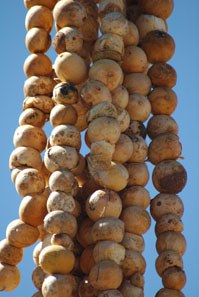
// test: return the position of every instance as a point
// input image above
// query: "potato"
(159, 46)
(171, 240)
(108, 72)
(163, 101)
(89, 30)
(82, 111)
(30, 136)
(32, 116)
(65, 93)
(169, 177)
(101, 155)
(38, 85)
(37, 40)
(120, 97)
(39, 16)
(32, 209)
(86, 260)
(114, 22)
(65, 135)
(20, 234)
(138, 174)
(9, 277)
(43, 103)
(108, 229)
(123, 149)
(161, 9)
(108, 6)
(62, 239)
(56, 259)
(109, 250)
(84, 236)
(137, 280)
(164, 204)
(91, 8)
(132, 37)
(168, 293)
(133, 242)
(59, 221)
(25, 156)
(86, 290)
(135, 196)
(168, 222)
(139, 107)
(136, 128)
(94, 92)
(63, 115)
(68, 39)
(134, 60)
(103, 203)
(123, 119)
(159, 124)
(168, 259)
(128, 290)
(133, 262)
(140, 149)
(58, 285)
(102, 109)
(38, 277)
(37, 64)
(69, 13)
(162, 75)
(63, 181)
(9, 254)
(50, 4)
(147, 23)
(110, 293)
(174, 278)
(136, 220)
(70, 67)
(60, 201)
(46, 241)
(110, 276)
(137, 83)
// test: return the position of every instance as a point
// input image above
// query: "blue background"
(183, 26)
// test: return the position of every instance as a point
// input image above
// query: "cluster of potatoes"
(89, 213)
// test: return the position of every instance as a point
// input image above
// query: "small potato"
(136, 128)
(140, 149)
(43, 103)
(159, 124)
(62, 239)
(65, 93)
(37, 64)
(68, 39)
(162, 75)
(120, 97)
(134, 60)
(9, 254)
(38, 40)
(58, 200)
(63, 181)
(137, 83)
(114, 22)
(109, 250)
(168, 259)
(101, 155)
(133, 242)
(135, 196)
(32, 116)
(39, 16)
(9, 277)
(174, 278)
(133, 262)
(123, 149)
(123, 119)
(65, 135)
(38, 85)
(108, 6)
(38, 277)
(103, 109)
(25, 156)
(132, 37)
(89, 30)
(139, 107)
(168, 222)
(58, 285)
(163, 101)
(63, 115)
(171, 240)
(138, 174)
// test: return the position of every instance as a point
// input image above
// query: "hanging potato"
(89, 29)
(39, 16)
(133, 262)
(162, 9)
(123, 118)
(101, 155)
(163, 101)
(133, 242)
(138, 174)
(132, 37)
(140, 149)
(169, 222)
(84, 233)
(58, 200)
(38, 85)
(167, 293)
(103, 109)
(139, 107)
(109, 250)
(108, 6)
(65, 135)
(37, 40)
(136, 128)
(162, 75)
(134, 60)
(159, 124)
(43, 103)
(128, 290)
(87, 260)
(63, 181)
(137, 83)
(168, 259)
(136, 195)
(171, 240)
(48, 3)
(137, 280)
(9, 254)
(38, 277)
(9, 277)
(120, 97)
(64, 240)
(123, 149)
(37, 64)
(63, 115)
(65, 93)
(174, 278)
(68, 39)
(114, 22)
(32, 116)
(58, 285)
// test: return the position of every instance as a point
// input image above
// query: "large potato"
(168, 222)
(133, 262)
(168, 293)
(136, 128)
(39, 16)
(25, 156)
(174, 278)
(128, 290)
(43, 103)
(32, 116)
(134, 60)
(65, 135)
(163, 101)
(68, 39)
(37, 64)
(132, 37)
(140, 149)
(37, 40)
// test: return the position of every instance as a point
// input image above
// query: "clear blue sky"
(183, 26)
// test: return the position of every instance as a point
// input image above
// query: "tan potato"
(110, 276)
(32, 116)
(137, 83)
(166, 203)
(109, 250)
(162, 75)
(84, 232)
(147, 23)
(63, 181)
(114, 22)
(133, 262)
(25, 156)
(136, 220)
(16, 171)
(9, 277)
(140, 149)
(38, 85)
(128, 290)
(159, 46)
(123, 149)
(20, 234)
(171, 240)
(43, 103)
(169, 177)
(56, 259)
(108, 72)
(65, 135)
(101, 155)
(168, 259)
(94, 92)
(104, 128)
(123, 119)
(30, 136)
(132, 37)
(37, 40)
(70, 67)
(9, 254)
(58, 285)
(48, 3)
(68, 39)
(69, 13)
(135, 196)
(60, 201)
(159, 124)
(103, 203)
(174, 278)
(120, 97)
(65, 93)
(59, 221)
(39, 16)
(108, 6)
(102, 109)
(163, 101)
(62, 239)
(139, 107)
(168, 293)
(86, 290)
(133, 242)
(110, 293)
(32, 209)
(37, 64)
(89, 29)
(108, 229)
(63, 115)
(134, 60)
(38, 277)
(108, 46)
(161, 9)
(138, 174)
(82, 111)
(137, 280)
(168, 222)
(87, 260)
(136, 128)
